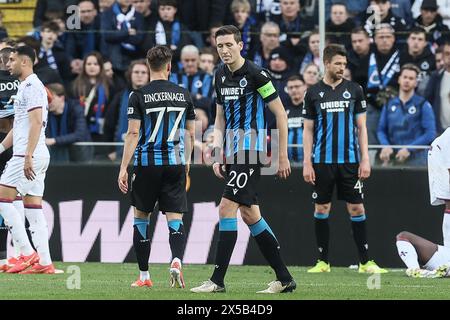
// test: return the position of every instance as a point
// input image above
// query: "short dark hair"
(50, 25)
(56, 89)
(411, 67)
(229, 29)
(417, 30)
(360, 30)
(158, 57)
(26, 51)
(333, 50)
(296, 77)
(171, 3)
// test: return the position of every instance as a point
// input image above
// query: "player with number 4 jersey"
(336, 153)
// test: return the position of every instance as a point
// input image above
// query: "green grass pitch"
(112, 281)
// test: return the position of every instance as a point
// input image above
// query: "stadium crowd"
(91, 69)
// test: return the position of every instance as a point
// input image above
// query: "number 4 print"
(359, 185)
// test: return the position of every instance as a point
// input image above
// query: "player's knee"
(323, 208)
(355, 209)
(403, 236)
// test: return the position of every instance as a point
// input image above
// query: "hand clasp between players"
(28, 168)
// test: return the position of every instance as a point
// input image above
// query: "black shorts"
(165, 184)
(344, 176)
(242, 181)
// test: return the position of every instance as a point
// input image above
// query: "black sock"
(360, 237)
(177, 238)
(225, 247)
(322, 234)
(141, 242)
(270, 249)
(3, 239)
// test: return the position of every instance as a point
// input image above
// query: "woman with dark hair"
(92, 89)
(116, 118)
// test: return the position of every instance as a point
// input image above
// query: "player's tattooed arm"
(131, 141)
(219, 128)
(308, 140)
(364, 165)
(277, 108)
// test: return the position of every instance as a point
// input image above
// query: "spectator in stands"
(201, 15)
(443, 9)
(266, 10)
(92, 89)
(120, 26)
(313, 54)
(341, 24)
(3, 31)
(270, 39)
(211, 40)
(438, 91)
(431, 21)
(384, 65)
(418, 53)
(116, 119)
(42, 69)
(402, 9)
(105, 5)
(43, 7)
(241, 11)
(150, 18)
(290, 20)
(358, 56)
(52, 51)
(382, 8)
(208, 60)
(280, 70)
(7, 42)
(66, 125)
(117, 83)
(439, 58)
(407, 119)
(356, 9)
(197, 82)
(311, 75)
(170, 31)
(79, 43)
(296, 89)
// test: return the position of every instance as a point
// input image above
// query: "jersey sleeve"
(190, 111)
(36, 97)
(264, 86)
(309, 110)
(135, 106)
(360, 103)
(217, 81)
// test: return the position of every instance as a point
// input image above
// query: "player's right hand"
(308, 173)
(123, 181)
(217, 172)
(385, 154)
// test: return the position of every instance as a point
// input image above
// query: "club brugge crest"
(412, 110)
(198, 84)
(243, 83)
(393, 108)
(346, 94)
(425, 65)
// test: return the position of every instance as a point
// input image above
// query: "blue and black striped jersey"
(163, 108)
(200, 83)
(244, 95)
(334, 112)
(295, 130)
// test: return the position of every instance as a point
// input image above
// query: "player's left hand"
(284, 170)
(402, 155)
(28, 168)
(364, 169)
(123, 181)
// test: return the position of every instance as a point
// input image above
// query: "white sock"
(408, 254)
(446, 228)
(17, 228)
(18, 204)
(144, 275)
(176, 260)
(39, 233)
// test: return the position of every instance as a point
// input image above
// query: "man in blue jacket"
(66, 125)
(406, 120)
